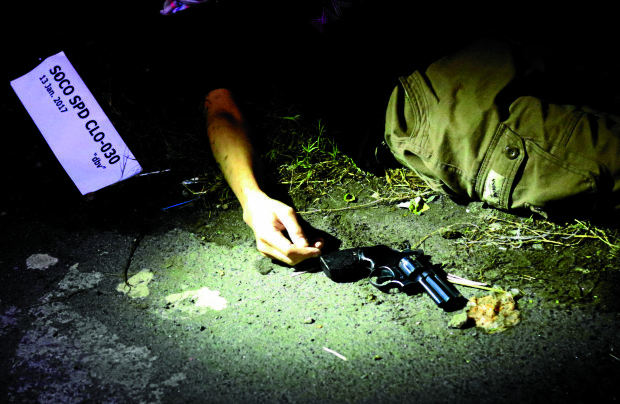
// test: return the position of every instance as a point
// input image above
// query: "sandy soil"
(207, 319)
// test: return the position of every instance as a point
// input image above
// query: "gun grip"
(342, 266)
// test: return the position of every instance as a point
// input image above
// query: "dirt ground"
(207, 319)
(210, 320)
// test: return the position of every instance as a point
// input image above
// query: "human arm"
(267, 217)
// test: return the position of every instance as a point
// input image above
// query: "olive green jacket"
(449, 125)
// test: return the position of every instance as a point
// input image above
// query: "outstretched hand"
(269, 218)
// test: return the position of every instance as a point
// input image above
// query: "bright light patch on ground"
(139, 285)
(203, 297)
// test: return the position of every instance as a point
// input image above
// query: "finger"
(270, 252)
(318, 243)
(299, 254)
(289, 254)
(276, 246)
(292, 257)
(294, 229)
(277, 241)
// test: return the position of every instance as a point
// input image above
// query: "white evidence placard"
(77, 130)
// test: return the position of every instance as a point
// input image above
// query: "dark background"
(150, 73)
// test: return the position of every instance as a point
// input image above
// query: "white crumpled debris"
(417, 205)
(40, 261)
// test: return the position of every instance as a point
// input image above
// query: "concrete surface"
(207, 319)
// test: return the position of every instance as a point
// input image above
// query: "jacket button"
(511, 152)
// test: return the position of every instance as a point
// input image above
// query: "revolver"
(387, 268)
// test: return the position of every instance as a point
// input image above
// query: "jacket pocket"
(552, 183)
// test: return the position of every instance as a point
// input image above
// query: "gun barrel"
(443, 293)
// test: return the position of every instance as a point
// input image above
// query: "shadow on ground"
(207, 319)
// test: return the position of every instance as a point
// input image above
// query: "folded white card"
(79, 133)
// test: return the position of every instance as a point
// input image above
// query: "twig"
(472, 284)
(335, 353)
(365, 205)
(134, 247)
(452, 277)
(476, 286)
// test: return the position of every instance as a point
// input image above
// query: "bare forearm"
(230, 144)
(268, 218)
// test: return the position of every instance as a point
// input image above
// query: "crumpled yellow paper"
(138, 285)
(493, 313)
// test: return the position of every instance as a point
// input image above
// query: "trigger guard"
(380, 273)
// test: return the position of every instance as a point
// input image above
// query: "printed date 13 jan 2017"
(61, 106)
(68, 89)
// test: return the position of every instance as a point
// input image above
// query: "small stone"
(516, 293)
(459, 320)
(309, 320)
(264, 266)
